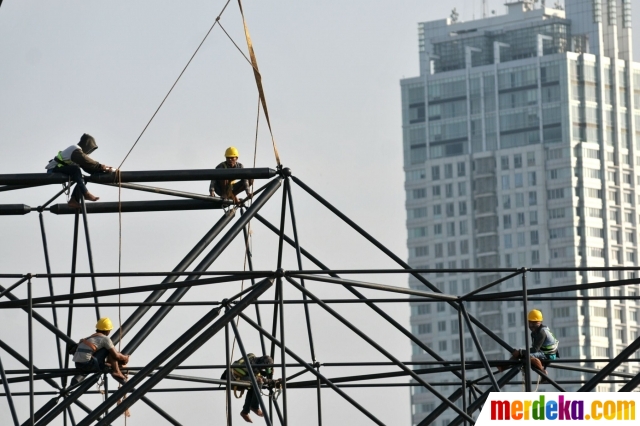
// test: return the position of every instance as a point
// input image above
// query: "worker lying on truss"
(90, 353)
(70, 160)
(544, 345)
(263, 371)
(229, 189)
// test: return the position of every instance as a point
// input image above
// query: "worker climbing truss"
(221, 317)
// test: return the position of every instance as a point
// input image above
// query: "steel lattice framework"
(143, 380)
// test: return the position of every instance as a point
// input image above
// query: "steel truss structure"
(220, 318)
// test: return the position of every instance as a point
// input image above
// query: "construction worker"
(263, 370)
(229, 189)
(70, 160)
(544, 345)
(91, 352)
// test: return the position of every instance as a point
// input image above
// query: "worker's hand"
(517, 353)
(259, 380)
(106, 168)
(249, 195)
(212, 194)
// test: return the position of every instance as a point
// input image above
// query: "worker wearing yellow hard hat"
(544, 345)
(227, 189)
(96, 353)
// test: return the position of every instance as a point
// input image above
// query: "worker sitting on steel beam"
(229, 189)
(263, 371)
(70, 160)
(544, 345)
(91, 352)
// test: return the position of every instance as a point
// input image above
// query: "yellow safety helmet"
(231, 152)
(104, 324)
(534, 315)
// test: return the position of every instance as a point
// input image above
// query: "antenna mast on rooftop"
(484, 9)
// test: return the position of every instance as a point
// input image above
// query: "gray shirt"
(84, 351)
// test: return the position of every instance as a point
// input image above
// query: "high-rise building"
(522, 149)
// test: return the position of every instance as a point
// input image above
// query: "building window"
(517, 161)
(448, 190)
(504, 163)
(437, 211)
(440, 306)
(506, 221)
(435, 172)
(534, 238)
(462, 207)
(507, 241)
(424, 328)
(507, 261)
(437, 229)
(511, 319)
(518, 180)
(461, 169)
(451, 229)
(449, 210)
(535, 259)
(418, 193)
(555, 194)
(533, 217)
(506, 202)
(532, 178)
(462, 189)
(505, 182)
(520, 219)
(438, 250)
(464, 247)
(463, 227)
(631, 256)
(435, 191)
(421, 251)
(442, 326)
(451, 248)
(442, 345)
(521, 239)
(628, 218)
(533, 198)
(531, 159)
(448, 171)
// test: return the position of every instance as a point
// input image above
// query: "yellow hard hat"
(104, 324)
(231, 152)
(534, 315)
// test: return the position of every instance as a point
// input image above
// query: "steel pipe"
(143, 206)
(141, 176)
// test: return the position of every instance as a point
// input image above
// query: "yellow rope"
(258, 77)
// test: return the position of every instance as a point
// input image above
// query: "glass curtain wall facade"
(521, 143)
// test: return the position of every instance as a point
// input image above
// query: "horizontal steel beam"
(141, 176)
(143, 206)
(14, 209)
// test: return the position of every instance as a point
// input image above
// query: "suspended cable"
(176, 82)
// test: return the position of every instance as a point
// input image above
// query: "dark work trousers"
(251, 402)
(75, 174)
(237, 188)
(95, 364)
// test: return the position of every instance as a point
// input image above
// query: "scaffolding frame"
(223, 312)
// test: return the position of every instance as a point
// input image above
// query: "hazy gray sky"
(331, 73)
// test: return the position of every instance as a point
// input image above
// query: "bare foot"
(119, 377)
(73, 204)
(89, 196)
